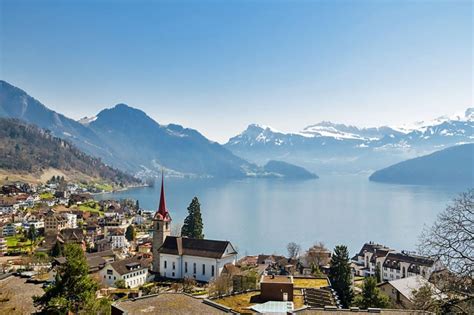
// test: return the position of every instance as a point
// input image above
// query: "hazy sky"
(219, 65)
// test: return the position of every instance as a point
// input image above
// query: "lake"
(263, 215)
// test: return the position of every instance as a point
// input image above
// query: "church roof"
(162, 213)
(195, 247)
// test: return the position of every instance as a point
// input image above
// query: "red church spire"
(162, 212)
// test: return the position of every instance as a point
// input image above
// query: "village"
(141, 265)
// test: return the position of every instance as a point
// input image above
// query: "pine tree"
(193, 225)
(74, 290)
(371, 295)
(130, 233)
(57, 250)
(340, 275)
(378, 274)
(32, 234)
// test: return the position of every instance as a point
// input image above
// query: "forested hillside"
(29, 149)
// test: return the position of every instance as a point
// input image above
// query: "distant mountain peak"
(262, 127)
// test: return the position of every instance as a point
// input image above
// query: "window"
(186, 267)
(172, 274)
(165, 264)
(212, 271)
(115, 278)
(194, 267)
(110, 272)
(203, 269)
(174, 265)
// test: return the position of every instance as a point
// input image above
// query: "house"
(6, 209)
(54, 222)
(268, 259)
(276, 288)
(71, 220)
(180, 257)
(3, 246)
(133, 271)
(400, 291)
(37, 224)
(9, 229)
(117, 238)
(392, 264)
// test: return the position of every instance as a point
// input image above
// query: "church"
(178, 257)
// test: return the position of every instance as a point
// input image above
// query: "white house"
(400, 291)
(200, 259)
(117, 238)
(134, 271)
(71, 220)
(9, 229)
(36, 224)
(392, 264)
(6, 209)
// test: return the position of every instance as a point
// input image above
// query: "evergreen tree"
(193, 225)
(340, 275)
(74, 290)
(32, 234)
(371, 295)
(378, 274)
(130, 233)
(57, 250)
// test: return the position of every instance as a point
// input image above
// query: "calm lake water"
(263, 215)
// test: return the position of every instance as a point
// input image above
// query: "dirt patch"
(16, 296)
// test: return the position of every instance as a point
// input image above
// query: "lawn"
(104, 187)
(46, 195)
(239, 302)
(310, 283)
(14, 244)
(90, 206)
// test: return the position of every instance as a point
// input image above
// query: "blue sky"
(217, 66)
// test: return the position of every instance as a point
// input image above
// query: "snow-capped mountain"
(328, 145)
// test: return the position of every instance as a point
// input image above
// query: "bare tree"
(188, 284)
(318, 255)
(221, 285)
(451, 240)
(176, 229)
(293, 249)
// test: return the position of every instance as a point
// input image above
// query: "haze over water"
(263, 215)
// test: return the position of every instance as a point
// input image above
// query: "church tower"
(161, 228)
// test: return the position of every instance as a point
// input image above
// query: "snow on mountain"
(87, 120)
(422, 126)
(341, 131)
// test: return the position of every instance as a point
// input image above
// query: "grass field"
(14, 244)
(239, 302)
(310, 283)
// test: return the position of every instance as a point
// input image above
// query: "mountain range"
(328, 147)
(128, 139)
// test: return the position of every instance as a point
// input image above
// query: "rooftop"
(276, 279)
(196, 247)
(166, 303)
(127, 265)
